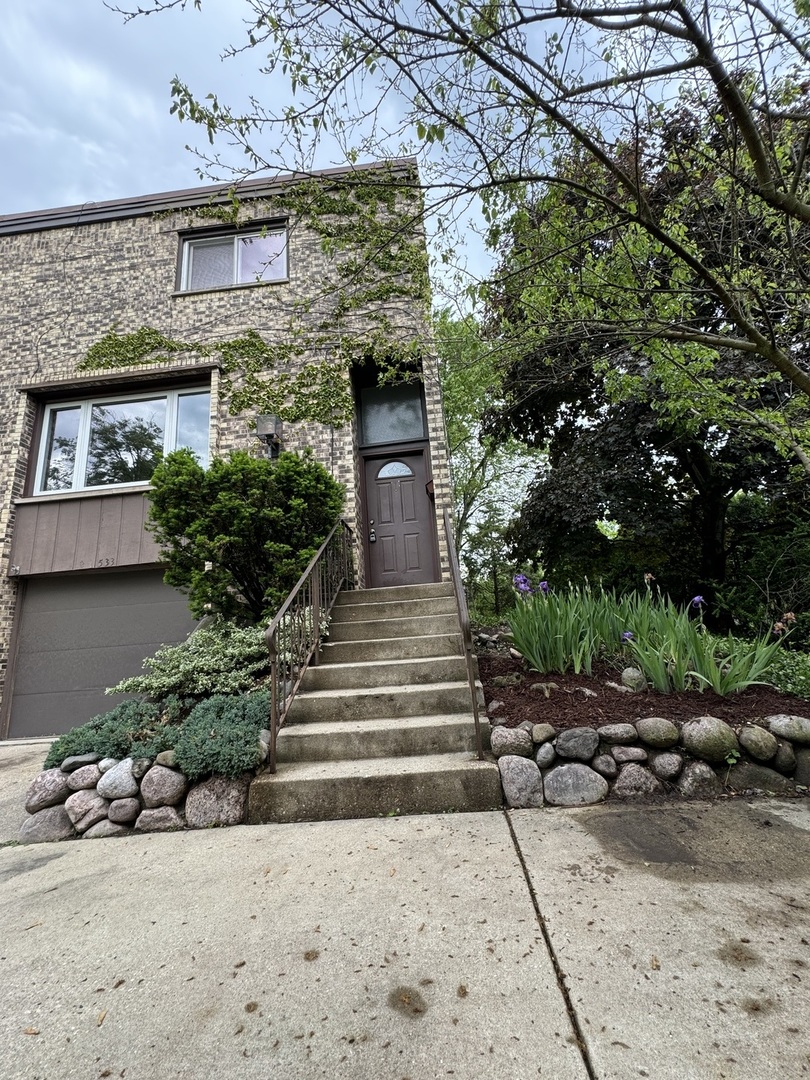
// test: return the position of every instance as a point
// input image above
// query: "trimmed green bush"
(790, 672)
(133, 728)
(221, 735)
(219, 658)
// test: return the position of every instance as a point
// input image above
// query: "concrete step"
(373, 673)
(380, 702)
(394, 593)
(374, 787)
(394, 609)
(355, 739)
(372, 629)
(392, 648)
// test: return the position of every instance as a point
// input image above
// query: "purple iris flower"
(522, 583)
(697, 601)
(542, 587)
(627, 635)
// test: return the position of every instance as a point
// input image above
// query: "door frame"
(393, 450)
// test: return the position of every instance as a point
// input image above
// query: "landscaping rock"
(545, 755)
(657, 732)
(544, 688)
(605, 765)
(802, 774)
(78, 761)
(617, 733)
(709, 739)
(623, 754)
(118, 782)
(140, 767)
(746, 776)
(666, 765)
(511, 741)
(85, 808)
(107, 763)
(163, 787)
(494, 706)
(542, 733)
(104, 829)
(578, 743)
(159, 819)
(522, 782)
(514, 679)
(167, 758)
(698, 781)
(85, 777)
(526, 725)
(574, 785)
(636, 782)
(784, 760)
(795, 728)
(123, 811)
(46, 826)
(759, 743)
(633, 679)
(220, 801)
(48, 789)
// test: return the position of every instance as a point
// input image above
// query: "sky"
(85, 98)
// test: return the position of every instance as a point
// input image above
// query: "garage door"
(82, 633)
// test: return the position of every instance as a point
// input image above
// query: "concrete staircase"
(384, 724)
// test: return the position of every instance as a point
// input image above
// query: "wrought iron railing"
(466, 632)
(294, 636)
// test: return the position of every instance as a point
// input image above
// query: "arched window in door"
(392, 469)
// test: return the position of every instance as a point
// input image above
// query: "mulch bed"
(568, 707)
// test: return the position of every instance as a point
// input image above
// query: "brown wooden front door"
(400, 531)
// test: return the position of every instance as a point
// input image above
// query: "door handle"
(372, 536)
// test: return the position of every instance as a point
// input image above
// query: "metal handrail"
(294, 636)
(466, 632)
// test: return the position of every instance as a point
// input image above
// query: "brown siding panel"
(98, 532)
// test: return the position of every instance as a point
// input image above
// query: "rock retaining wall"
(703, 757)
(89, 796)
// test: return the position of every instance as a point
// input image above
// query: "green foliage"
(789, 671)
(133, 728)
(221, 735)
(238, 536)
(145, 346)
(218, 658)
(568, 630)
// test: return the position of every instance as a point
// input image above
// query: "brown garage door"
(81, 633)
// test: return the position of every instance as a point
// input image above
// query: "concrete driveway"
(611, 942)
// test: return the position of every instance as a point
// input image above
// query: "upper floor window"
(110, 441)
(238, 258)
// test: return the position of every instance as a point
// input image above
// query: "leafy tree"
(238, 535)
(499, 95)
(123, 449)
(490, 472)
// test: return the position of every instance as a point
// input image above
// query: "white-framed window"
(239, 258)
(107, 442)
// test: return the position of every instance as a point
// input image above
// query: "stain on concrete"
(408, 1001)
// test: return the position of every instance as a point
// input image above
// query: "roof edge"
(184, 198)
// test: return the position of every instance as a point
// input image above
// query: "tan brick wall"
(62, 289)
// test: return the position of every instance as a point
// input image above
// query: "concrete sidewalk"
(610, 942)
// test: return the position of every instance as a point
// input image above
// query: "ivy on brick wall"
(368, 307)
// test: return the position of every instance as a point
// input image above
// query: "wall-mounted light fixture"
(268, 431)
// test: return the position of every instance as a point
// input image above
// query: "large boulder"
(617, 733)
(162, 786)
(574, 785)
(118, 782)
(578, 743)
(159, 819)
(758, 742)
(218, 801)
(85, 808)
(545, 755)
(511, 741)
(746, 776)
(50, 788)
(543, 733)
(124, 811)
(623, 754)
(522, 782)
(633, 679)
(784, 760)
(802, 774)
(795, 728)
(699, 781)
(657, 732)
(83, 778)
(605, 765)
(709, 739)
(47, 825)
(666, 765)
(636, 782)
(78, 761)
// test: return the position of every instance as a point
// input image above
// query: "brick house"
(82, 599)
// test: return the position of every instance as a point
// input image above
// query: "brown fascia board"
(187, 198)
